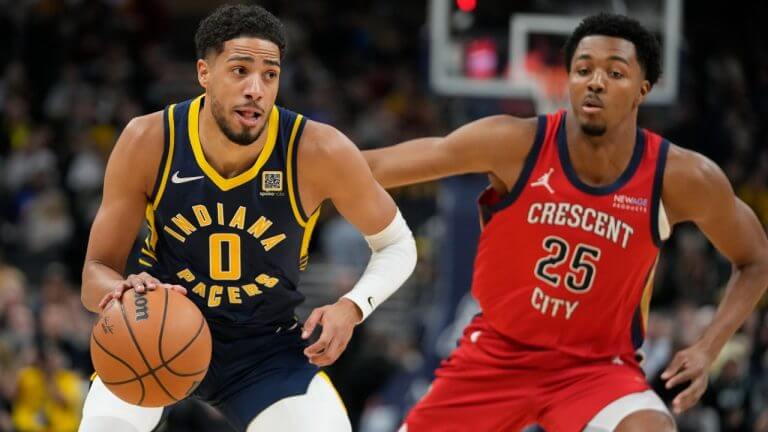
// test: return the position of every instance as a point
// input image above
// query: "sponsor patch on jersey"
(626, 202)
(271, 183)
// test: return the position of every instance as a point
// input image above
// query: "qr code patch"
(272, 181)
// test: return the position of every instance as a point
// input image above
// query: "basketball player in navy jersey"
(579, 204)
(230, 186)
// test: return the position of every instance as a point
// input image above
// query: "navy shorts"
(248, 374)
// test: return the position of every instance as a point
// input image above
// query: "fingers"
(684, 375)
(311, 323)
(320, 347)
(674, 366)
(143, 282)
(120, 288)
(106, 299)
(691, 395)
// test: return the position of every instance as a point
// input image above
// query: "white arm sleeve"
(392, 262)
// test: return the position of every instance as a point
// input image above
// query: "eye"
(239, 70)
(617, 75)
(582, 71)
(271, 74)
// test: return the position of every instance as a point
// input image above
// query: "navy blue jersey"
(238, 244)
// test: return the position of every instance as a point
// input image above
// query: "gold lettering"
(186, 275)
(214, 295)
(199, 289)
(271, 242)
(266, 280)
(259, 227)
(251, 290)
(176, 235)
(220, 213)
(202, 215)
(238, 220)
(184, 224)
(234, 295)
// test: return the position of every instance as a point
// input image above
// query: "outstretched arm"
(696, 190)
(338, 171)
(490, 145)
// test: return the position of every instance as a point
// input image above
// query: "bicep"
(364, 203)
(733, 228)
(707, 199)
(356, 194)
(122, 208)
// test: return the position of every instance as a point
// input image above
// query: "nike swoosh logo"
(370, 301)
(178, 180)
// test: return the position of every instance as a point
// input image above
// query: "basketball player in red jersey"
(579, 204)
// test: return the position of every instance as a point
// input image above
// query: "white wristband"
(392, 262)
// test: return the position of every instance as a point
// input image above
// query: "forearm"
(392, 262)
(403, 164)
(745, 288)
(98, 280)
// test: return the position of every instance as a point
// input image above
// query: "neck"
(600, 160)
(226, 157)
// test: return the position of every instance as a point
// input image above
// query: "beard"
(244, 137)
(593, 129)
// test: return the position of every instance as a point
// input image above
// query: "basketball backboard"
(513, 49)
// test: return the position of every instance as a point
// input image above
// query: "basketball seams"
(181, 351)
(136, 375)
(141, 353)
(166, 363)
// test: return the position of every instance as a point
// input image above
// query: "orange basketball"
(151, 349)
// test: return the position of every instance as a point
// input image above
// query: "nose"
(597, 83)
(254, 89)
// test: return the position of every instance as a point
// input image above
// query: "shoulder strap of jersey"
(163, 170)
(658, 183)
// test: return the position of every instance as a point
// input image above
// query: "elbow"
(87, 300)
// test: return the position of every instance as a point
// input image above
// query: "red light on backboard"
(466, 5)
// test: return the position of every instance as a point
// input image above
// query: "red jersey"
(567, 266)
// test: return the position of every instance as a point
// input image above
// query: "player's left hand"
(338, 320)
(691, 364)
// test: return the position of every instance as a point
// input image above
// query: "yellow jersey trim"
(226, 184)
(308, 229)
(149, 253)
(325, 376)
(291, 192)
(144, 263)
(645, 301)
(168, 159)
(151, 240)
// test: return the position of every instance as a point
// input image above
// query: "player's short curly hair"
(233, 21)
(620, 26)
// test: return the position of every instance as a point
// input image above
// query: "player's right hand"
(141, 282)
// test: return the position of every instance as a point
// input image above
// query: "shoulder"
(144, 134)
(140, 147)
(503, 128)
(325, 144)
(691, 182)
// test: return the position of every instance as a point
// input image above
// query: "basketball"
(151, 349)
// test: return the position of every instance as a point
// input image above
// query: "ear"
(645, 88)
(203, 73)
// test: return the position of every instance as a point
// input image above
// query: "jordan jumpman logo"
(544, 181)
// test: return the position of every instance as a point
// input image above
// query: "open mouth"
(248, 117)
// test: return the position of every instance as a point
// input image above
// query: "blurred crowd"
(75, 72)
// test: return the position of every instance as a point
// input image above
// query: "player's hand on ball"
(338, 320)
(141, 282)
(691, 364)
